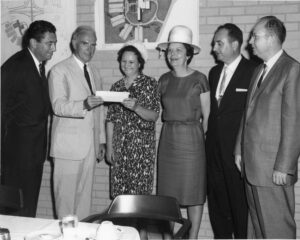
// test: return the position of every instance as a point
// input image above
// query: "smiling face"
(224, 48)
(44, 49)
(130, 64)
(84, 46)
(177, 55)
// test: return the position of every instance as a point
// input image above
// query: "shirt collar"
(232, 66)
(36, 61)
(81, 64)
(273, 59)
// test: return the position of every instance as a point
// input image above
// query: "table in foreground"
(30, 228)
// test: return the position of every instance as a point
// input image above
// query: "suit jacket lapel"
(33, 66)
(252, 88)
(92, 77)
(233, 82)
(38, 79)
(79, 72)
(268, 78)
(216, 81)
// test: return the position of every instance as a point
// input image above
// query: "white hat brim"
(163, 46)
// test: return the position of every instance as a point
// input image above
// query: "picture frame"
(148, 21)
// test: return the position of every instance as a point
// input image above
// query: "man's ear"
(32, 43)
(235, 45)
(73, 44)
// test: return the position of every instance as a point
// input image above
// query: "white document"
(110, 96)
(241, 90)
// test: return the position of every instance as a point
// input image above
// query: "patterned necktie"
(87, 77)
(42, 70)
(222, 86)
(262, 75)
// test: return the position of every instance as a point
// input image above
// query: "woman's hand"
(130, 103)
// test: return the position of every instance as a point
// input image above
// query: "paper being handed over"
(110, 96)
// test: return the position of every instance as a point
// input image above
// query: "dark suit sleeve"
(289, 146)
(8, 80)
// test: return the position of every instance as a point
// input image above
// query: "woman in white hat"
(185, 101)
(131, 125)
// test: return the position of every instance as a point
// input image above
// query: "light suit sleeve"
(66, 100)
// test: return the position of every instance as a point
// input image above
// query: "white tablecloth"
(20, 227)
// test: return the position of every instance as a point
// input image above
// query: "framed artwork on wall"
(16, 16)
(149, 21)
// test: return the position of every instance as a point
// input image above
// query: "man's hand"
(101, 154)
(279, 178)
(91, 102)
(109, 154)
(238, 162)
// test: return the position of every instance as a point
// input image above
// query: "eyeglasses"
(257, 36)
(86, 44)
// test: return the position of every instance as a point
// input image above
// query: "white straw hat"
(179, 34)
(140, 47)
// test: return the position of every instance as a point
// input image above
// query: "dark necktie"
(87, 77)
(262, 75)
(42, 70)
(222, 86)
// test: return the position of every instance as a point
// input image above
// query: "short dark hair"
(36, 30)
(274, 26)
(189, 52)
(234, 32)
(130, 48)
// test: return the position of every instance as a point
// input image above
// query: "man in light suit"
(268, 144)
(229, 81)
(25, 109)
(78, 135)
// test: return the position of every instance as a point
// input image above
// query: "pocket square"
(241, 90)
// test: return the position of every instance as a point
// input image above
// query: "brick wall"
(212, 14)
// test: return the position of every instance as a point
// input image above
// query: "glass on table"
(4, 234)
(68, 226)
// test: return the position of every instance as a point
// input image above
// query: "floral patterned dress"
(133, 139)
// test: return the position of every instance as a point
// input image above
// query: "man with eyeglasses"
(268, 144)
(25, 109)
(78, 134)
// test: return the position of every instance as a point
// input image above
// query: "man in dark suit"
(229, 81)
(268, 144)
(25, 108)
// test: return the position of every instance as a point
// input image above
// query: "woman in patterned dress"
(185, 101)
(131, 125)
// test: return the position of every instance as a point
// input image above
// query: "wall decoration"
(118, 21)
(16, 16)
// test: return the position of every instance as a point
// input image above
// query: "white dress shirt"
(230, 69)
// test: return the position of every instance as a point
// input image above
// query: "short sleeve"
(203, 83)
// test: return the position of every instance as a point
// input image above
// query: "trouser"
(73, 180)
(227, 203)
(272, 211)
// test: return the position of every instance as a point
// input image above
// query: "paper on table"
(110, 96)
(42, 235)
